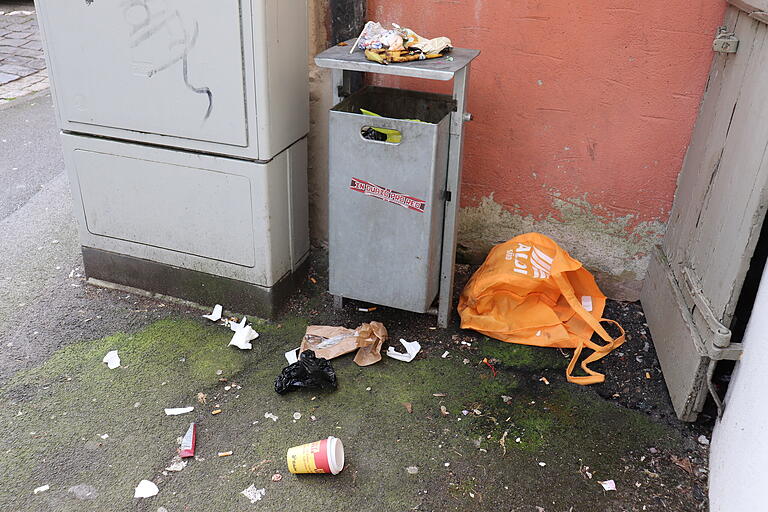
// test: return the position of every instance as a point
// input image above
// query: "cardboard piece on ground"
(366, 339)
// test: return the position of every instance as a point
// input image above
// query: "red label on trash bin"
(388, 195)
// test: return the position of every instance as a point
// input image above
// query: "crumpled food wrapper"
(329, 342)
(375, 37)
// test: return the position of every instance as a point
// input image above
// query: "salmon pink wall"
(583, 105)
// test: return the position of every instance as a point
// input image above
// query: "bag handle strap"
(599, 351)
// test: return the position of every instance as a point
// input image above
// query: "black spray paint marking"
(142, 30)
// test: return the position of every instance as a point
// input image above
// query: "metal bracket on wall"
(725, 42)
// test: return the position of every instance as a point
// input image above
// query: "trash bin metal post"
(453, 193)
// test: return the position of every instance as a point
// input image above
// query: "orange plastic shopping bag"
(530, 291)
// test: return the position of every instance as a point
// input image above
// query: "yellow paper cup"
(324, 456)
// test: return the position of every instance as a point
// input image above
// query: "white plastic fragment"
(254, 494)
(112, 360)
(608, 485)
(215, 315)
(411, 349)
(542, 464)
(445, 354)
(145, 489)
(177, 464)
(292, 355)
(178, 410)
(297, 415)
(270, 416)
(104, 436)
(42, 488)
(236, 326)
(243, 336)
(703, 440)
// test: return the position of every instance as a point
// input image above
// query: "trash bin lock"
(387, 172)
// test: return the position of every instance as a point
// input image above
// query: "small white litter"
(542, 464)
(270, 416)
(112, 360)
(297, 415)
(703, 440)
(215, 315)
(411, 349)
(292, 355)
(177, 464)
(412, 470)
(104, 436)
(608, 485)
(243, 336)
(254, 494)
(145, 489)
(445, 354)
(178, 410)
(236, 326)
(42, 488)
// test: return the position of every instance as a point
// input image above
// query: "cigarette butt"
(225, 454)
(647, 375)
(314, 281)
(216, 411)
(367, 310)
(343, 44)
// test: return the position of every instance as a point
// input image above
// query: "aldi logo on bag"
(530, 260)
(388, 195)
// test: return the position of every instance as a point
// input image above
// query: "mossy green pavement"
(513, 453)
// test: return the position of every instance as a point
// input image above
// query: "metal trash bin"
(387, 199)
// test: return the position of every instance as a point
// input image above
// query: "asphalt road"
(45, 303)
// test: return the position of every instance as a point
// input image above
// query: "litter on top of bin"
(398, 44)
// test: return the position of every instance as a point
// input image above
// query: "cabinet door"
(165, 67)
(696, 277)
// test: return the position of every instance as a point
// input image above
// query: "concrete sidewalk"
(508, 442)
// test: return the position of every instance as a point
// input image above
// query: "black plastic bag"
(309, 371)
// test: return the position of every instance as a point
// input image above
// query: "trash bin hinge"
(447, 196)
(715, 338)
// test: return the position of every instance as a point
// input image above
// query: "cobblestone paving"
(22, 65)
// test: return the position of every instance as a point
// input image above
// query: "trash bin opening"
(399, 104)
(379, 134)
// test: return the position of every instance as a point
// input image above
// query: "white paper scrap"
(254, 494)
(586, 301)
(215, 315)
(270, 416)
(178, 410)
(177, 464)
(145, 489)
(445, 354)
(411, 349)
(243, 337)
(42, 488)
(112, 360)
(235, 326)
(292, 355)
(608, 485)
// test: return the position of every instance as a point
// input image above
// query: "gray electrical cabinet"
(184, 125)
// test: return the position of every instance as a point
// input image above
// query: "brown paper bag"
(366, 339)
